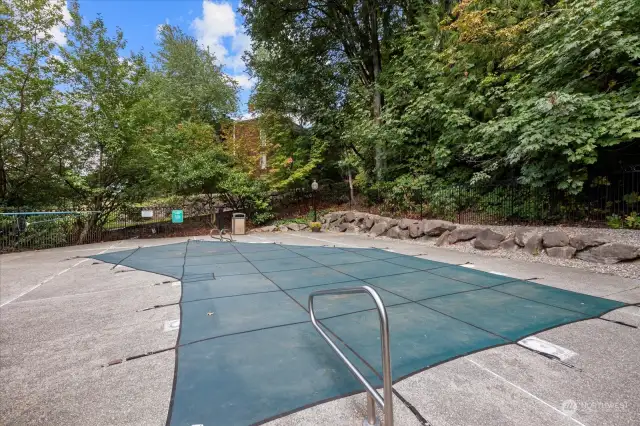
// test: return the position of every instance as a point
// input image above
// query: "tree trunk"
(377, 96)
(350, 189)
(89, 226)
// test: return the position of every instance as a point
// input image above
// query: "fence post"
(456, 202)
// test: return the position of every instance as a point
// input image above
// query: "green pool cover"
(247, 351)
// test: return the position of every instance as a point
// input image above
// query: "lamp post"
(314, 188)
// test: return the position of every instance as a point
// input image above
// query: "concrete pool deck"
(64, 319)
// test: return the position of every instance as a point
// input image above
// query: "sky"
(216, 24)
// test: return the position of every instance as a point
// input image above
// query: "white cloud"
(243, 80)
(217, 30)
(240, 43)
(59, 37)
(217, 23)
(159, 28)
(248, 116)
(26, 20)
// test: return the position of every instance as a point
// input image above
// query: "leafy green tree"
(310, 56)
(514, 90)
(295, 152)
(189, 81)
(111, 160)
(190, 97)
(32, 119)
(573, 91)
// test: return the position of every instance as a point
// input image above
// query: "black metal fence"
(505, 204)
(613, 202)
(28, 230)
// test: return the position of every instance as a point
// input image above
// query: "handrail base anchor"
(371, 419)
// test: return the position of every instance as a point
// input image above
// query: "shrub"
(614, 221)
(315, 226)
(632, 221)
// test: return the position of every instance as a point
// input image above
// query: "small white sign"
(147, 213)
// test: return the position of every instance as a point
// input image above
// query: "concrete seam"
(46, 280)
(524, 391)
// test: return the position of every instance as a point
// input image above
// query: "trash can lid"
(239, 215)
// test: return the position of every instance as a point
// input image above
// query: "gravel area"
(623, 236)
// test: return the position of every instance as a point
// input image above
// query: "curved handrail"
(385, 404)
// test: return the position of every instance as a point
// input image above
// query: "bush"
(315, 226)
(251, 195)
(614, 221)
(406, 194)
(632, 221)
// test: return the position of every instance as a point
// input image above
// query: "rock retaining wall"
(588, 247)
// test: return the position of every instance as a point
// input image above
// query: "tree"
(190, 100)
(111, 157)
(32, 118)
(572, 92)
(514, 90)
(189, 81)
(309, 54)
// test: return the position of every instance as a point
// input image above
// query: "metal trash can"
(237, 223)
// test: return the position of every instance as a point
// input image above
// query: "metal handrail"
(385, 404)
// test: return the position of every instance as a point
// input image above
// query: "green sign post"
(176, 216)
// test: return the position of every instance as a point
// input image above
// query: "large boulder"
(435, 228)
(344, 226)
(332, 217)
(394, 232)
(463, 234)
(443, 238)
(398, 233)
(391, 222)
(522, 235)
(379, 229)
(352, 228)
(406, 223)
(337, 221)
(369, 221)
(416, 230)
(555, 239)
(610, 253)
(584, 241)
(293, 226)
(349, 217)
(509, 245)
(283, 228)
(487, 240)
(566, 252)
(533, 244)
(269, 228)
(360, 217)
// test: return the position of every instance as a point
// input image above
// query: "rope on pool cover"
(126, 257)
